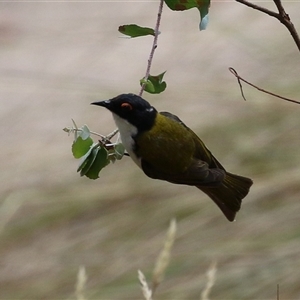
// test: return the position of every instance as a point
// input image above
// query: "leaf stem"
(103, 137)
(154, 45)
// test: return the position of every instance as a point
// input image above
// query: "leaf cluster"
(93, 156)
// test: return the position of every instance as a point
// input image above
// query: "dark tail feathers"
(228, 196)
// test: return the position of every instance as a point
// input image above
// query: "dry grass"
(147, 292)
(164, 257)
(81, 284)
(211, 278)
(160, 267)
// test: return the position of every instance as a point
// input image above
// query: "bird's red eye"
(126, 106)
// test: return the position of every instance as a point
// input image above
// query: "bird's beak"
(105, 103)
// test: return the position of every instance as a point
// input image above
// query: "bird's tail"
(228, 196)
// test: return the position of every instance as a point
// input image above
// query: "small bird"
(166, 149)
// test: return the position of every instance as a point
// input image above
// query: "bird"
(166, 149)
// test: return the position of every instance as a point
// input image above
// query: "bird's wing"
(173, 117)
(202, 153)
(198, 173)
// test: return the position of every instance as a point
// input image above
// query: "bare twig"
(281, 16)
(239, 78)
(154, 45)
(259, 8)
(233, 71)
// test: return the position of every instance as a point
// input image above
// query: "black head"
(132, 108)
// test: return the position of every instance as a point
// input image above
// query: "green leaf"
(101, 160)
(112, 155)
(134, 30)
(203, 17)
(154, 84)
(81, 146)
(119, 150)
(85, 132)
(149, 87)
(86, 159)
(83, 159)
(93, 161)
(89, 161)
(201, 5)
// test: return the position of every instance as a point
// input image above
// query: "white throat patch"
(127, 131)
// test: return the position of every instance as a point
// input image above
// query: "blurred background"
(58, 57)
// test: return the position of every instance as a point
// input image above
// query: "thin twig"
(282, 16)
(154, 45)
(239, 78)
(111, 135)
(233, 71)
(259, 8)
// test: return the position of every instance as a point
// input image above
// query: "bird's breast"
(127, 132)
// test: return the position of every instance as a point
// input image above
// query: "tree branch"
(279, 7)
(285, 20)
(281, 16)
(154, 45)
(239, 78)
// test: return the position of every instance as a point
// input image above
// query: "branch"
(259, 8)
(239, 78)
(154, 45)
(281, 16)
(279, 7)
(285, 20)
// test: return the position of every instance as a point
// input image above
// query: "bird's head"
(131, 108)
